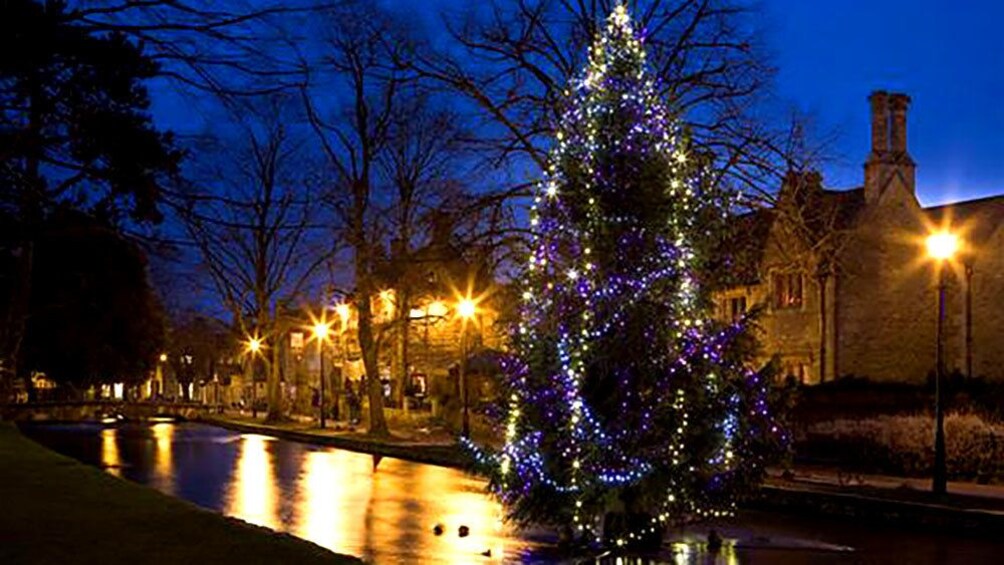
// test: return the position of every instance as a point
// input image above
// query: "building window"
(787, 290)
(737, 307)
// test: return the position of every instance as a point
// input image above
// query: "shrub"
(904, 445)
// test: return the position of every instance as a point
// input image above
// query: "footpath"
(968, 507)
(57, 510)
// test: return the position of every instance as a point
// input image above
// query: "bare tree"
(515, 59)
(254, 226)
(361, 53)
(421, 167)
(231, 50)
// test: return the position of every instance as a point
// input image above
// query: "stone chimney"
(888, 158)
(880, 123)
(898, 104)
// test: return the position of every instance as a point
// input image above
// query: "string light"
(596, 262)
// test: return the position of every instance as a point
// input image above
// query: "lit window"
(787, 288)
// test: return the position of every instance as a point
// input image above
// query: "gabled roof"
(736, 260)
(847, 204)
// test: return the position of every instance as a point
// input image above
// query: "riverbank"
(57, 510)
(968, 508)
(436, 450)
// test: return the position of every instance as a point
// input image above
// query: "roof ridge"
(980, 200)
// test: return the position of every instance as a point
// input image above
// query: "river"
(387, 510)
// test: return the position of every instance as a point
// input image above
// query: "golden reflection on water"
(253, 494)
(340, 502)
(460, 501)
(110, 459)
(163, 468)
(331, 500)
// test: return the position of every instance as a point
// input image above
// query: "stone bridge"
(96, 410)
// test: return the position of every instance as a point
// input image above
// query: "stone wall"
(886, 294)
(988, 309)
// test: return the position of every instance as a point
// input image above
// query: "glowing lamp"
(466, 308)
(942, 246)
(254, 345)
(321, 330)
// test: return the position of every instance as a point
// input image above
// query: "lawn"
(54, 509)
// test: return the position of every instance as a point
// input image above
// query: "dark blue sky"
(948, 56)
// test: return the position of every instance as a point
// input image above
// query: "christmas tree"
(626, 407)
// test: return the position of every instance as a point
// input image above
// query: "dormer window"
(787, 291)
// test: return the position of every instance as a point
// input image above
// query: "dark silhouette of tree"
(253, 216)
(74, 132)
(513, 60)
(362, 52)
(95, 318)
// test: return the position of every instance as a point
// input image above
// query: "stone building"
(844, 280)
(422, 336)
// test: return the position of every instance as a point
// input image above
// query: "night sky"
(948, 56)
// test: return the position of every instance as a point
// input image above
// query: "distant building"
(418, 326)
(844, 280)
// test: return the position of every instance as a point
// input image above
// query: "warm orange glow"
(110, 459)
(343, 310)
(163, 468)
(387, 298)
(942, 245)
(163, 357)
(437, 308)
(321, 330)
(254, 495)
(253, 344)
(466, 308)
(333, 498)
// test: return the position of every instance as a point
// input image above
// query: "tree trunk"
(377, 422)
(400, 365)
(274, 388)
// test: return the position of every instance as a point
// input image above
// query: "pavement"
(991, 495)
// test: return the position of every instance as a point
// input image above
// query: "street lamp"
(321, 330)
(253, 346)
(159, 377)
(941, 247)
(466, 309)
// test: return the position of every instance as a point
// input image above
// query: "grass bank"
(57, 510)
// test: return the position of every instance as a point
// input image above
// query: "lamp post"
(320, 330)
(253, 346)
(466, 309)
(344, 312)
(941, 247)
(159, 377)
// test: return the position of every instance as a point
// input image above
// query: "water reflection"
(337, 500)
(253, 494)
(110, 459)
(163, 467)
(332, 498)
